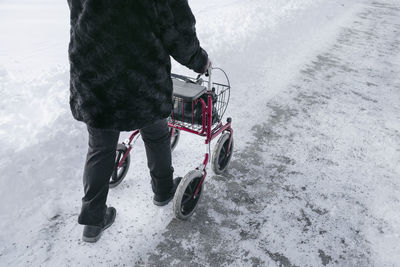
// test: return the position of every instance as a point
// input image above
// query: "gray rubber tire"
(181, 195)
(220, 161)
(175, 139)
(121, 173)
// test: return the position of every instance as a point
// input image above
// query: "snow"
(278, 55)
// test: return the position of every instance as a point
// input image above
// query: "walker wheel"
(174, 138)
(220, 158)
(184, 202)
(119, 174)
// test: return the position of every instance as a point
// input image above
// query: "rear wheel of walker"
(174, 137)
(220, 158)
(184, 202)
(119, 173)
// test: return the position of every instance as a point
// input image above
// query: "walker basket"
(191, 102)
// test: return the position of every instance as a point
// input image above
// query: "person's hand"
(208, 65)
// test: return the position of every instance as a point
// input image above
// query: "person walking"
(120, 80)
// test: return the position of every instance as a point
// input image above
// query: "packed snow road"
(315, 175)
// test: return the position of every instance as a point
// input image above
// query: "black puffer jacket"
(119, 59)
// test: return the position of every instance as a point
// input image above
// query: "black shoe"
(92, 233)
(164, 200)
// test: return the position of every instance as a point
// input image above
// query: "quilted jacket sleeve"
(178, 33)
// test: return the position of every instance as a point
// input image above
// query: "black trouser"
(100, 164)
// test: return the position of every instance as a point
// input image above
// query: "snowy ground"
(315, 178)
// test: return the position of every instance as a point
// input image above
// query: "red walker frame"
(207, 130)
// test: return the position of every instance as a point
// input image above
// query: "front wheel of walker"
(221, 158)
(184, 202)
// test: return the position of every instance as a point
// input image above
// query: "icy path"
(315, 176)
(320, 184)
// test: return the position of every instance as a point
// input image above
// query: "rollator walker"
(199, 106)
